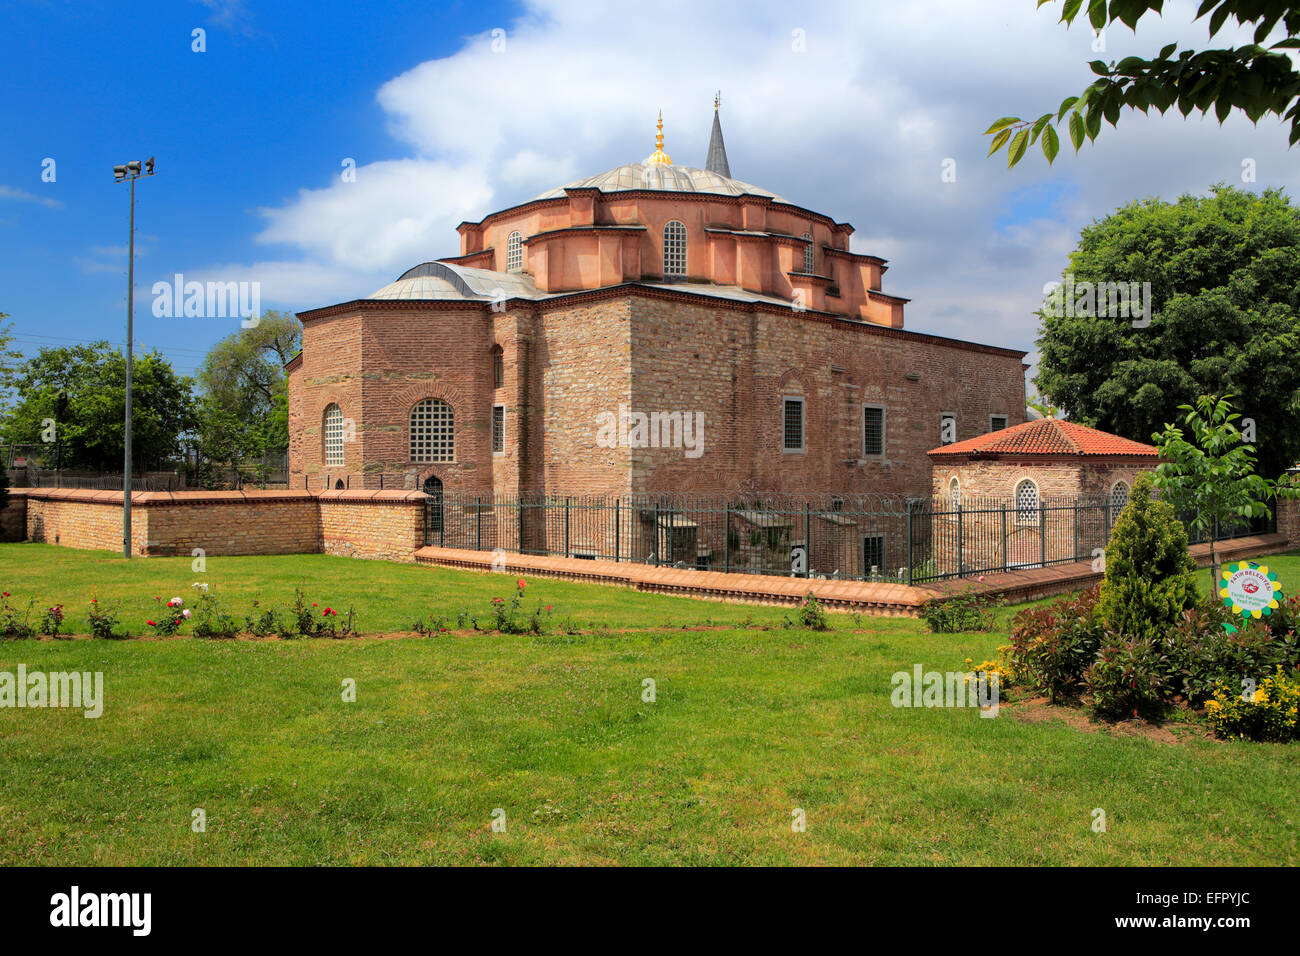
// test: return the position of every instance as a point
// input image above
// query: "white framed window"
(997, 423)
(433, 431)
(515, 253)
(333, 431)
(809, 259)
(498, 429)
(674, 249)
(1027, 502)
(1118, 498)
(792, 424)
(947, 428)
(873, 431)
(954, 493)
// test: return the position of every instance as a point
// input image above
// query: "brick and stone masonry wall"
(1288, 520)
(371, 524)
(365, 524)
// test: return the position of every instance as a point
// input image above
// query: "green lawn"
(748, 725)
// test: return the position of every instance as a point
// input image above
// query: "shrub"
(1052, 646)
(809, 615)
(436, 624)
(1202, 653)
(962, 612)
(211, 618)
(262, 623)
(14, 623)
(1128, 678)
(506, 616)
(303, 617)
(170, 617)
(331, 625)
(104, 620)
(52, 621)
(1003, 669)
(1271, 713)
(1150, 576)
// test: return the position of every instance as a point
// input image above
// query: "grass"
(747, 725)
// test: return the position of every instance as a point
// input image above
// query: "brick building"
(1042, 491)
(656, 328)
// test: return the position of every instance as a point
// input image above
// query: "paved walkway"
(889, 600)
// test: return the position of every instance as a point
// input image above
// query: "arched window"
(432, 431)
(809, 261)
(1026, 502)
(498, 367)
(1118, 498)
(333, 432)
(515, 253)
(954, 493)
(674, 249)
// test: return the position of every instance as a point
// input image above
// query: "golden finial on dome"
(717, 99)
(659, 156)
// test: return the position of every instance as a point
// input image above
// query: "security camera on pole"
(130, 172)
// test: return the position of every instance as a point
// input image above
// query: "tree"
(1212, 478)
(243, 404)
(1150, 576)
(9, 359)
(90, 430)
(1218, 274)
(1254, 79)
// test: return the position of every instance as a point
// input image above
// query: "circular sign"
(1250, 589)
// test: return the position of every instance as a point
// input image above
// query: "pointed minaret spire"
(717, 161)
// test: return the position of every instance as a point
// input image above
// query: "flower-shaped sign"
(1250, 589)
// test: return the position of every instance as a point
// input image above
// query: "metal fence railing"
(849, 537)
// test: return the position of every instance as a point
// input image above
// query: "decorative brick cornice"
(592, 230)
(605, 196)
(582, 296)
(394, 305)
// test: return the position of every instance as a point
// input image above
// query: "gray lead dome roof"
(659, 176)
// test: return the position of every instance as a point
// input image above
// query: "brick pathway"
(887, 600)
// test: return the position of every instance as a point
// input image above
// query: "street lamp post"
(129, 173)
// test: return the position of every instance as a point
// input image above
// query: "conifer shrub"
(1150, 576)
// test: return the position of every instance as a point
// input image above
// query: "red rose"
(522, 584)
(150, 623)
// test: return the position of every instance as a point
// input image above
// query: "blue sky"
(280, 87)
(453, 110)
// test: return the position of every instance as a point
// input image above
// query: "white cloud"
(21, 195)
(856, 126)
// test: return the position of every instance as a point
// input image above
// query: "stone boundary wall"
(364, 524)
(1288, 520)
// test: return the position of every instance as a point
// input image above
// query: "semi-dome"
(418, 287)
(443, 280)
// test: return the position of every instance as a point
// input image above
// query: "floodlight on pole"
(130, 171)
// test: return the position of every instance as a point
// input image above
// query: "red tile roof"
(1048, 436)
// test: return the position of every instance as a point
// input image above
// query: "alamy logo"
(134, 910)
(630, 429)
(77, 689)
(922, 688)
(210, 300)
(1101, 300)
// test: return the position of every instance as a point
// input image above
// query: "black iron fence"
(851, 537)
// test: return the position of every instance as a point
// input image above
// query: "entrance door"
(433, 510)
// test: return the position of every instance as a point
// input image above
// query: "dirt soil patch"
(1035, 710)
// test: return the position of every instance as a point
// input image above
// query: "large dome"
(660, 176)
